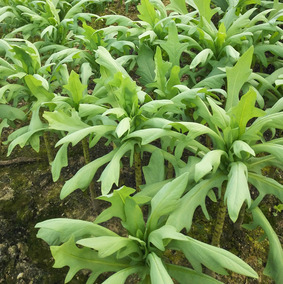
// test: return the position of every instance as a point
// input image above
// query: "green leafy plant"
(142, 251)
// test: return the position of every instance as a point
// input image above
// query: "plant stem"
(138, 170)
(91, 187)
(48, 148)
(170, 168)
(221, 214)
(241, 217)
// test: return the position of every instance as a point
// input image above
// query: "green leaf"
(145, 65)
(265, 185)
(60, 120)
(126, 93)
(169, 232)
(84, 176)
(11, 113)
(178, 6)
(237, 191)
(123, 126)
(38, 90)
(172, 46)
(186, 275)
(109, 245)
(3, 124)
(161, 69)
(201, 58)
(274, 265)
(122, 275)
(182, 216)
(117, 200)
(166, 200)
(111, 173)
(204, 9)
(220, 118)
(240, 148)
(245, 110)
(155, 170)
(75, 137)
(134, 222)
(60, 161)
(59, 230)
(147, 12)
(237, 76)
(214, 258)
(210, 161)
(75, 87)
(158, 273)
(70, 255)
(270, 147)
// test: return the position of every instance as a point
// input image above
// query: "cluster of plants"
(190, 93)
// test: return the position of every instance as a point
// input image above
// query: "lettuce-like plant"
(142, 250)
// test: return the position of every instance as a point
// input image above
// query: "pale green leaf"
(186, 275)
(265, 185)
(201, 58)
(60, 161)
(117, 200)
(155, 170)
(214, 258)
(274, 265)
(237, 76)
(70, 255)
(59, 230)
(158, 273)
(84, 176)
(237, 191)
(182, 216)
(209, 162)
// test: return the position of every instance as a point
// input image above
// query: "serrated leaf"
(70, 255)
(214, 258)
(205, 9)
(182, 216)
(265, 185)
(60, 120)
(245, 110)
(117, 200)
(11, 113)
(172, 46)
